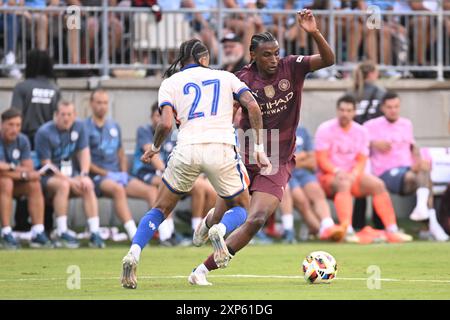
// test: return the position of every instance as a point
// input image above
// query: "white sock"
(350, 229)
(130, 228)
(94, 224)
(171, 225)
(61, 225)
(222, 228)
(6, 230)
(195, 221)
(422, 197)
(202, 269)
(287, 220)
(164, 230)
(135, 250)
(36, 229)
(392, 228)
(325, 224)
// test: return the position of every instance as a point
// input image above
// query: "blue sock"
(234, 218)
(147, 227)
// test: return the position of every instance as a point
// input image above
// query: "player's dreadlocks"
(191, 49)
(261, 38)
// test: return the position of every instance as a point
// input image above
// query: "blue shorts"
(393, 179)
(44, 179)
(301, 178)
(98, 181)
(145, 176)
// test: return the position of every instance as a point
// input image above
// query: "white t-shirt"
(202, 100)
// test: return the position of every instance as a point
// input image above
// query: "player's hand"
(148, 155)
(263, 162)
(306, 20)
(34, 175)
(382, 146)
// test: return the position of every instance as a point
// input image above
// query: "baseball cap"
(231, 37)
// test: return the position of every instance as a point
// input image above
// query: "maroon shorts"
(274, 184)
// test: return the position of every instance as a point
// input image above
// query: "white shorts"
(220, 162)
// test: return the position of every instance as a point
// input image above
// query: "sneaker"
(201, 232)
(199, 279)
(10, 62)
(221, 255)
(41, 241)
(9, 242)
(419, 214)
(95, 241)
(68, 241)
(436, 230)
(261, 238)
(398, 237)
(351, 237)
(289, 236)
(15, 73)
(334, 233)
(129, 278)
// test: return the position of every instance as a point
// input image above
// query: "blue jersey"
(16, 151)
(382, 4)
(58, 145)
(303, 143)
(272, 5)
(144, 136)
(35, 3)
(105, 143)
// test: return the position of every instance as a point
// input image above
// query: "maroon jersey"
(279, 98)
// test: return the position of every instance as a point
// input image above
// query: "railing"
(106, 38)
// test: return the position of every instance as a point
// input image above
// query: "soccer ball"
(319, 267)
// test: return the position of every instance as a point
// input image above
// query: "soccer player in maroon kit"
(277, 87)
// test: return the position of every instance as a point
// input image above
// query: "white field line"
(224, 276)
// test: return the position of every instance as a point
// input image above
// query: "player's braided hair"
(192, 49)
(261, 38)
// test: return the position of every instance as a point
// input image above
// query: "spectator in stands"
(274, 23)
(233, 53)
(38, 95)
(393, 37)
(368, 96)
(204, 24)
(419, 28)
(203, 194)
(342, 148)
(109, 165)
(92, 25)
(307, 196)
(10, 35)
(396, 159)
(245, 25)
(17, 179)
(62, 146)
(38, 21)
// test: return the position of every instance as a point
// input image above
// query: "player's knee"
(256, 221)
(63, 186)
(344, 185)
(6, 185)
(378, 186)
(34, 187)
(118, 191)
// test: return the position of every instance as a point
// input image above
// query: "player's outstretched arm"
(254, 113)
(326, 57)
(161, 132)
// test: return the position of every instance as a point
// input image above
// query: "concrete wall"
(426, 103)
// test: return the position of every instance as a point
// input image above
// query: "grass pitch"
(418, 270)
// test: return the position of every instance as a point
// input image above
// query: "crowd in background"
(401, 41)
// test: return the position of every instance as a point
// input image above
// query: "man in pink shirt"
(342, 148)
(396, 159)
